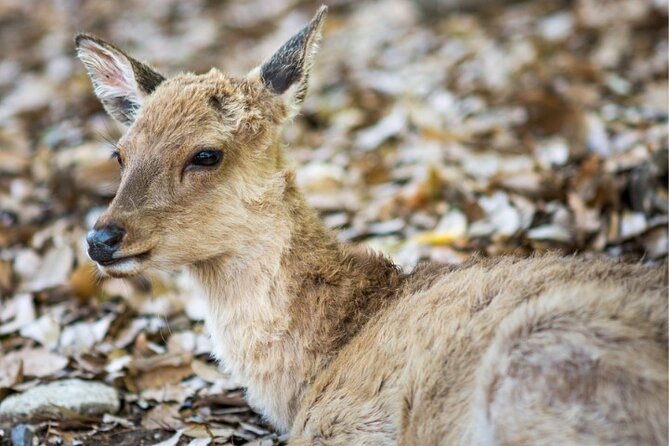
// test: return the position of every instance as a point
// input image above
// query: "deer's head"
(199, 157)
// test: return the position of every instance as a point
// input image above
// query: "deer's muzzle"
(103, 243)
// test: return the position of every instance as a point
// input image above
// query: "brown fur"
(336, 344)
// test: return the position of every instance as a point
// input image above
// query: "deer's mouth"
(125, 266)
(118, 260)
(125, 263)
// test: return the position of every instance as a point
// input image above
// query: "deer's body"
(340, 347)
(336, 344)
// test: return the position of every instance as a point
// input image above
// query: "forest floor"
(433, 130)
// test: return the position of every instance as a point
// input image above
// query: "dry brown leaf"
(84, 281)
(157, 361)
(555, 139)
(208, 372)
(36, 362)
(13, 163)
(5, 278)
(197, 430)
(160, 376)
(174, 392)
(163, 416)
(17, 313)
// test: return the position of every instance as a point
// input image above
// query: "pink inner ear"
(112, 72)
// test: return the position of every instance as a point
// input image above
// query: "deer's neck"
(282, 308)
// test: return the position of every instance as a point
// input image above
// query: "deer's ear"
(120, 82)
(286, 73)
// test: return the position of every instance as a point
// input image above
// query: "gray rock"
(72, 395)
(22, 435)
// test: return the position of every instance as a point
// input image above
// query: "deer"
(333, 343)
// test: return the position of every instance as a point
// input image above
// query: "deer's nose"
(104, 242)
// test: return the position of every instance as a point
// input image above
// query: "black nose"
(104, 242)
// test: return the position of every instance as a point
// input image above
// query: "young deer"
(335, 344)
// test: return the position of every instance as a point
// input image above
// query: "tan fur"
(338, 346)
(545, 350)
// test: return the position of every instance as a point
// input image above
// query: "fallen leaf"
(208, 372)
(35, 362)
(161, 376)
(451, 228)
(172, 441)
(54, 269)
(45, 330)
(19, 312)
(163, 416)
(83, 280)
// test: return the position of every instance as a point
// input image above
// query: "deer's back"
(511, 351)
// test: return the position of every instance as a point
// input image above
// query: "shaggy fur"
(337, 345)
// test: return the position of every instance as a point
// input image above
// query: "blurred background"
(433, 130)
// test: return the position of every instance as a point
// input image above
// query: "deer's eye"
(206, 158)
(116, 155)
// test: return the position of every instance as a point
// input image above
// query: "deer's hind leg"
(576, 366)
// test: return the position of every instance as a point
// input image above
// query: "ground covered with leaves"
(434, 130)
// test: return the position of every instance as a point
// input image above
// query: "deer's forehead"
(178, 113)
(194, 92)
(200, 110)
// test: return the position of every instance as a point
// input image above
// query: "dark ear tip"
(320, 15)
(83, 37)
(79, 38)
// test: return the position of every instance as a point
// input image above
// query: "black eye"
(116, 155)
(207, 158)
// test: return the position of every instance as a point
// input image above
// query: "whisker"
(106, 136)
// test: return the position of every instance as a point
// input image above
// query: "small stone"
(72, 395)
(22, 435)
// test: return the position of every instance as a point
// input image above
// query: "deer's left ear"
(286, 73)
(121, 82)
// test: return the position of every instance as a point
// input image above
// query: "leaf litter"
(434, 130)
